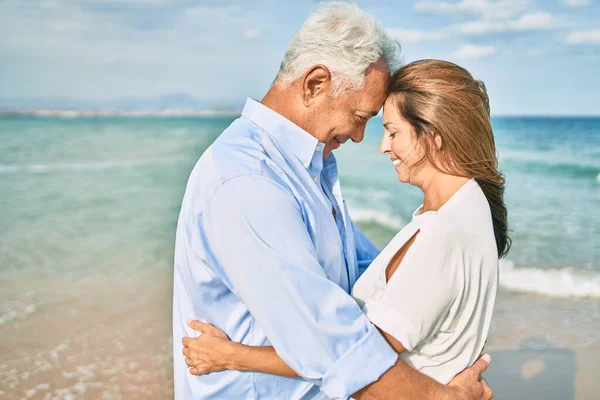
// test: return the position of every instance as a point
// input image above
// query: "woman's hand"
(209, 352)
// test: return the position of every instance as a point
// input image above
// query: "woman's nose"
(384, 147)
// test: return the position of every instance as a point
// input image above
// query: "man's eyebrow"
(372, 113)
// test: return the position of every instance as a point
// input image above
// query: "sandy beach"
(108, 339)
(545, 374)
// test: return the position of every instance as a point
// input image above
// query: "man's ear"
(317, 82)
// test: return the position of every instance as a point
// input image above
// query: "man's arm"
(253, 236)
(404, 382)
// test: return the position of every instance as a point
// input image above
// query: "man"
(265, 247)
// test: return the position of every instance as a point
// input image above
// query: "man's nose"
(358, 135)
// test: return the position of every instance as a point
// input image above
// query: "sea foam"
(564, 282)
(379, 216)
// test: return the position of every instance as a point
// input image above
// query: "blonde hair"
(439, 98)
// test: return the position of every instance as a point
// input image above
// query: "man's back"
(201, 294)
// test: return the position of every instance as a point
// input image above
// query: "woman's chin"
(403, 179)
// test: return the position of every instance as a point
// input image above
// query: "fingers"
(197, 325)
(488, 394)
(481, 364)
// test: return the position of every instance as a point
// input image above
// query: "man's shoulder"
(234, 160)
(237, 151)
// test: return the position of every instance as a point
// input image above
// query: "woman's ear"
(438, 141)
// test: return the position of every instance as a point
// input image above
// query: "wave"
(564, 282)
(18, 312)
(569, 168)
(39, 168)
(43, 168)
(554, 159)
(378, 216)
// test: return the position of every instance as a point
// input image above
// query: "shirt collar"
(295, 139)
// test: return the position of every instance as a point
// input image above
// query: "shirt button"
(306, 165)
(315, 179)
(318, 148)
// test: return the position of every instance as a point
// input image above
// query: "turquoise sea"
(88, 209)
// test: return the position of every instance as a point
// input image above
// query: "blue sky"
(536, 57)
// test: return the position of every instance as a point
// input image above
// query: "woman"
(431, 291)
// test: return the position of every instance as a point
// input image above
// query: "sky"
(537, 57)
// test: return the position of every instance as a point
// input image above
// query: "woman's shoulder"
(464, 216)
(455, 233)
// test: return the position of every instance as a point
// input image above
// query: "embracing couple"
(291, 299)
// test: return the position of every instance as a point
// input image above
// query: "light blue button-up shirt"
(259, 254)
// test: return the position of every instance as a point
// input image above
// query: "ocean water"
(88, 209)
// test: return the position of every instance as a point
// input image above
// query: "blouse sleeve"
(421, 291)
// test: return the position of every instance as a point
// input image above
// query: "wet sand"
(547, 374)
(106, 337)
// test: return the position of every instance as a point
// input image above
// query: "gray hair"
(345, 39)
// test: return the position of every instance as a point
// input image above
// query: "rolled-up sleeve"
(421, 291)
(253, 236)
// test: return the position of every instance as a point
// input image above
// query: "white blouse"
(439, 301)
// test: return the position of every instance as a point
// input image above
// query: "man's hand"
(469, 384)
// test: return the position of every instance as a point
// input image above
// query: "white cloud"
(536, 21)
(66, 27)
(487, 9)
(584, 37)
(536, 52)
(577, 3)
(72, 51)
(415, 36)
(253, 33)
(473, 51)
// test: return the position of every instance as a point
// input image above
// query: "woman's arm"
(213, 351)
(261, 359)
(393, 342)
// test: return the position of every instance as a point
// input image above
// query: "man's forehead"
(376, 82)
(374, 92)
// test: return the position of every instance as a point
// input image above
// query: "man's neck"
(280, 99)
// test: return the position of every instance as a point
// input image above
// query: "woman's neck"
(439, 189)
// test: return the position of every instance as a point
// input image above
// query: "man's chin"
(334, 144)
